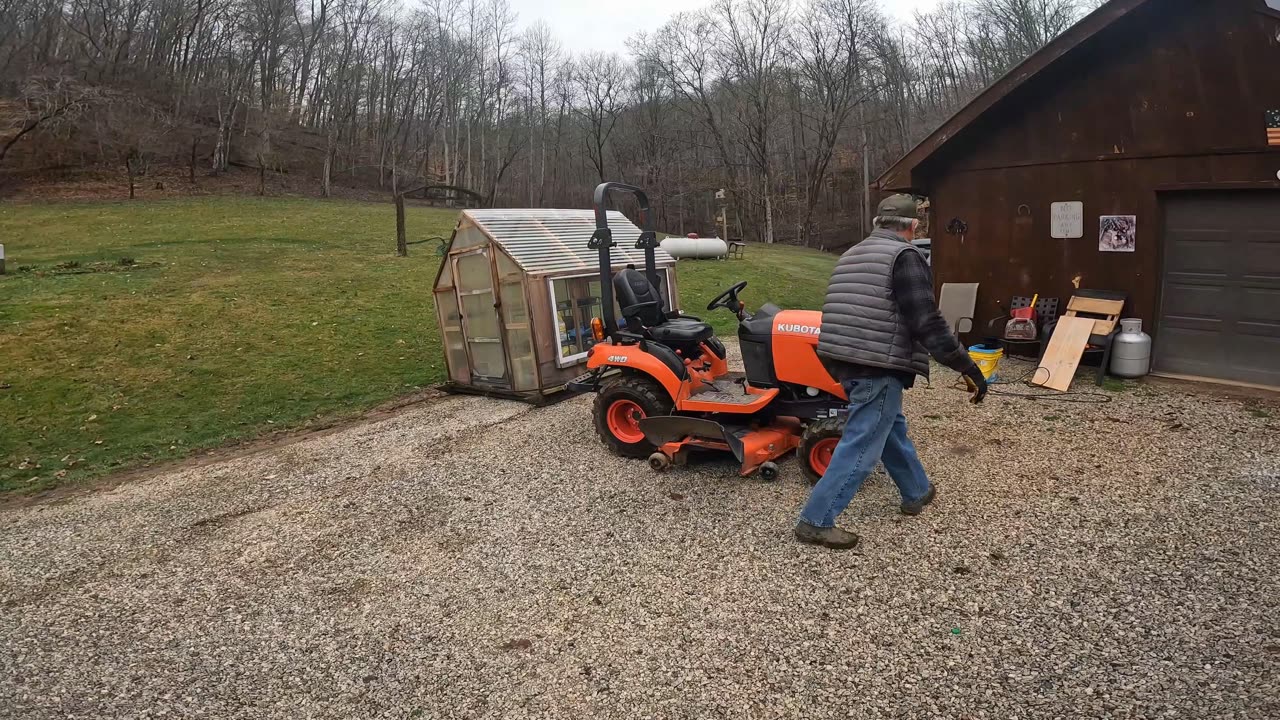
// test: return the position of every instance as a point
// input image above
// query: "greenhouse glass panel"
(479, 317)
(451, 327)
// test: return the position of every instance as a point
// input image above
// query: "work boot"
(832, 537)
(917, 506)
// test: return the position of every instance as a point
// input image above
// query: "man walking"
(879, 326)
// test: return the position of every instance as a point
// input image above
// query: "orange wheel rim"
(624, 419)
(820, 454)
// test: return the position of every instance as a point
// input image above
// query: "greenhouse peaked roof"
(543, 242)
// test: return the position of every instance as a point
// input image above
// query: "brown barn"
(1166, 112)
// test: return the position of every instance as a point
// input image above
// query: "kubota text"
(801, 329)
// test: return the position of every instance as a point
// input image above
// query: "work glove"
(976, 383)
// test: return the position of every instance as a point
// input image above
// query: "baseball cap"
(901, 205)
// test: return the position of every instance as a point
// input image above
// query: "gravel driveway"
(479, 558)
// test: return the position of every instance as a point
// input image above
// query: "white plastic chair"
(957, 304)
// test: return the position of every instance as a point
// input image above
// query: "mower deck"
(676, 436)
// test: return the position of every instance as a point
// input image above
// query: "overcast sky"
(596, 25)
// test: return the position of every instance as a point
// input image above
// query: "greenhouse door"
(473, 278)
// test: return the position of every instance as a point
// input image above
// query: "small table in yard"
(735, 249)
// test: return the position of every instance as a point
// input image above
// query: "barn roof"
(544, 242)
(899, 176)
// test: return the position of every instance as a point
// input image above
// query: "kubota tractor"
(664, 390)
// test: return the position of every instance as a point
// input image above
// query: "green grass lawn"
(240, 316)
(263, 314)
(790, 277)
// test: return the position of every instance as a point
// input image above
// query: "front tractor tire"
(621, 405)
(816, 446)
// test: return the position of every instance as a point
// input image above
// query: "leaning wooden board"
(1058, 366)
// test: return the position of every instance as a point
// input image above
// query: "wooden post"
(1, 259)
(402, 244)
(864, 221)
(328, 170)
(129, 170)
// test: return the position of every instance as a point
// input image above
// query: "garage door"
(1220, 305)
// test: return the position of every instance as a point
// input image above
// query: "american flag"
(1273, 127)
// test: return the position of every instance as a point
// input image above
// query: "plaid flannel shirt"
(913, 291)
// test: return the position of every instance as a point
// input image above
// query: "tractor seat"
(681, 333)
(634, 290)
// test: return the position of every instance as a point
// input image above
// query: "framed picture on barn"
(1118, 233)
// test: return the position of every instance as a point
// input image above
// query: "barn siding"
(1172, 96)
(1192, 78)
(1012, 258)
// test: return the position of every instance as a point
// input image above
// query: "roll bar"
(602, 240)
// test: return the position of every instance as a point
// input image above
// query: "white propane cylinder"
(695, 247)
(1131, 353)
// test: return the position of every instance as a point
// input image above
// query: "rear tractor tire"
(618, 409)
(816, 446)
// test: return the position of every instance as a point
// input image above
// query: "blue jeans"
(875, 431)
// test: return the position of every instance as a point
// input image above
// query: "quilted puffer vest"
(860, 321)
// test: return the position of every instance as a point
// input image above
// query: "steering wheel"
(723, 298)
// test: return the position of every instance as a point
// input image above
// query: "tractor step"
(726, 397)
(728, 381)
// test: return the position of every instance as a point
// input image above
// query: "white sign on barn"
(1067, 220)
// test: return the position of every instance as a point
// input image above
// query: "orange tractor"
(664, 389)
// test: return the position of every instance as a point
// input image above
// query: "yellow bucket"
(987, 359)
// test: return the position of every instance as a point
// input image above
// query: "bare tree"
(542, 53)
(831, 77)
(1020, 27)
(43, 103)
(601, 82)
(310, 31)
(754, 41)
(788, 105)
(692, 70)
(131, 135)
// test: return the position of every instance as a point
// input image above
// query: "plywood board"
(1103, 327)
(1058, 366)
(1096, 306)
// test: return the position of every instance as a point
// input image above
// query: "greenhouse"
(516, 293)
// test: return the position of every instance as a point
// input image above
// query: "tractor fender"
(630, 358)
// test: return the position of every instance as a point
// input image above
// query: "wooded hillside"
(788, 105)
